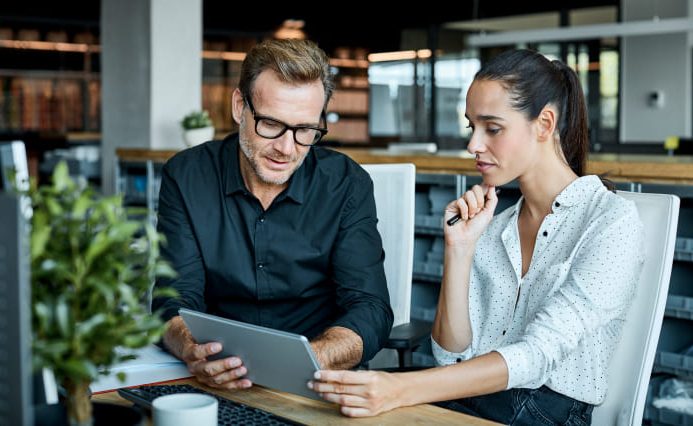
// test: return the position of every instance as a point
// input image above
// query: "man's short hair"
(293, 61)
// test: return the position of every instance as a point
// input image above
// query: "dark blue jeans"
(525, 407)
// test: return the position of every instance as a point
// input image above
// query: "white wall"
(176, 31)
(655, 63)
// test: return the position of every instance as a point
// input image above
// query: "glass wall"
(453, 76)
(402, 92)
(391, 109)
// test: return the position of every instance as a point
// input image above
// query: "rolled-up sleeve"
(357, 261)
(181, 250)
(444, 357)
(596, 293)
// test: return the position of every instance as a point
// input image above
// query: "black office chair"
(406, 338)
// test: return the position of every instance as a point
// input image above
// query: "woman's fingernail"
(316, 375)
(310, 385)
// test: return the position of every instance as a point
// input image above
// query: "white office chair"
(394, 188)
(630, 368)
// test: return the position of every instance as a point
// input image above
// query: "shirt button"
(262, 219)
(260, 265)
(545, 233)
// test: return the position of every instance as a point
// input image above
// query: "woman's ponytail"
(574, 137)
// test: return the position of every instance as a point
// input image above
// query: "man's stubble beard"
(250, 151)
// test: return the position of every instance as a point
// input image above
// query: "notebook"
(152, 365)
(273, 358)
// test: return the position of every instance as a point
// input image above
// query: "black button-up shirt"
(312, 260)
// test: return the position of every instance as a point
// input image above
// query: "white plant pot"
(194, 137)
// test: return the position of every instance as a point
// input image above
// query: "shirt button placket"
(260, 255)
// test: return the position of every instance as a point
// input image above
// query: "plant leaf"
(87, 326)
(80, 368)
(61, 176)
(62, 317)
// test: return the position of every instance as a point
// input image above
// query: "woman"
(532, 300)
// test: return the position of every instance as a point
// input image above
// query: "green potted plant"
(197, 128)
(91, 268)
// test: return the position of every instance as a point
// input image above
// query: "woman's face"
(503, 140)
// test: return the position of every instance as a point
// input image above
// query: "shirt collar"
(231, 167)
(572, 194)
(234, 181)
(575, 192)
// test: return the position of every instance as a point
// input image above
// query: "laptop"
(274, 359)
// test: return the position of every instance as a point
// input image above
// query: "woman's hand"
(475, 209)
(360, 393)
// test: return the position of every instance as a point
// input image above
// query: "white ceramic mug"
(185, 409)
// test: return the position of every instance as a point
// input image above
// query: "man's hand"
(226, 373)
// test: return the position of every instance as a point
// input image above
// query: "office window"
(453, 76)
(392, 98)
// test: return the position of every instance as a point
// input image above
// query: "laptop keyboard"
(230, 412)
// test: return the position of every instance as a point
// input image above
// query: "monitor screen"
(13, 163)
(16, 399)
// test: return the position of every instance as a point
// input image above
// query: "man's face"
(273, 161)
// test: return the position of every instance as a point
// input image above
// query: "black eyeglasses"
(270, 128)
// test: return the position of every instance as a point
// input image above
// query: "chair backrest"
(630, 368)
(394, 200)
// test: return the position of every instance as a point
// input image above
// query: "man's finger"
(205, 350)
(209, 368)
(229, 375)
(228, 385)
(237, 384)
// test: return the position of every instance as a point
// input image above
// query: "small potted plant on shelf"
(197, 128)
(91, 269)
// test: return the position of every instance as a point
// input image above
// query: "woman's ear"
(546, 123)
(237, 103)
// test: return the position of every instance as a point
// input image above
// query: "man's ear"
(546, 123)
(237, 104)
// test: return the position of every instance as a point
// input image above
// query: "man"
(262, 227)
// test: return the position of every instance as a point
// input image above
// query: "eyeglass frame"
(257, 117)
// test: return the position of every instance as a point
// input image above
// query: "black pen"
(456, 218)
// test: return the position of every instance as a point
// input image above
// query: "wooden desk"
(618, 167)
(311, 412)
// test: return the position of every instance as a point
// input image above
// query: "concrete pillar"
(151, 74)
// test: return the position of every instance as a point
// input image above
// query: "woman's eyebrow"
(485, 117)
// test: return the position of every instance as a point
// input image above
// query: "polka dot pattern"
(573, 299)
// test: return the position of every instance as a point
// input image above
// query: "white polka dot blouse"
(571, 303)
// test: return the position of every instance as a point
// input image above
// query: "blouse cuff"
(518, 364)
(445, 357)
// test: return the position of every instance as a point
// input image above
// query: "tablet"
(273, 358)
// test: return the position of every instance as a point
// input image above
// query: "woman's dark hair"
(534, 82)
